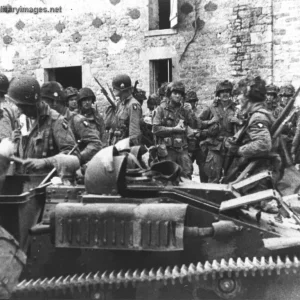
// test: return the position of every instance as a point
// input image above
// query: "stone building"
(197, 41)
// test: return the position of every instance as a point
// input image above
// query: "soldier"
(9, 113)
(256, 142)
(128, 113)
(85, 99)
(170, 126)
(50, 133)
(146, 122)
(272, 100)
(285, 93)
(218, 123)
(195, 152)
(162, 92)
(87, 137)
(71, 94)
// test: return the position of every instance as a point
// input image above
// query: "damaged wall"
(106, 37)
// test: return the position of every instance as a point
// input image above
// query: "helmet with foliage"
(287, 90)
(24, 90)
(70, 92)
(272, 89)
(191, 96)
(225, 85)
(175, 86)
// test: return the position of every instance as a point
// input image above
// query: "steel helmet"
(53, 90)
(70, 92)
(4, 83)
(175, 86)
(191, 96)
(24, 90)
(121, 82)
(85, 93)
(105, 173)
(225, 85)
(162, 91)
(271, 88)
(287, 89)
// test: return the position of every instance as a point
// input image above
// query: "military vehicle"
(131, 233)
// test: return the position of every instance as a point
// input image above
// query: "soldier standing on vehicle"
(85, 99)
(218, 122)
(256, 141)
(71, 98)
(127, 116)
(170, 126)
(86, 137)
(50, 133)
(272, 100)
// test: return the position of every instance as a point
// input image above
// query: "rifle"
(111, 92)
(276, 129)
(104, 92)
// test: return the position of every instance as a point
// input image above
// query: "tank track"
(97, 282)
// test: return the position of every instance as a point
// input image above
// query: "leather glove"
(34, 164)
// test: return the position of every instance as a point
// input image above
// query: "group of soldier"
(222, 137)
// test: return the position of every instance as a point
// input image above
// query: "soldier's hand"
(236, 120)
(215, 119)
(34, 164)
(187, 105)
(180, 126)
(16, 135)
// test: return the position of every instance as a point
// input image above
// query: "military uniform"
(257, 143)
(214, 135)
(96, 121)
(166, 117)
(49, 135)
(86, 137)
(9, 120)
(128, 117)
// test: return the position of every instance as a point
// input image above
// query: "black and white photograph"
(150, 149)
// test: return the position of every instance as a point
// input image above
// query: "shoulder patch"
(260, 125)
(86, 123)
(134, 106)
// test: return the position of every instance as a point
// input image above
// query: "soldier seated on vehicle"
(124, 120)
(71, 98)
(86, 137)
(50, 133)
(272, 100)
(85, 100)
(170, 126)
(256, 141)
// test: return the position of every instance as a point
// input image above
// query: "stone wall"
(106, 37)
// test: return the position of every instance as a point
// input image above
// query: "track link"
(92, 282)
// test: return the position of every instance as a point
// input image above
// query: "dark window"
(160, 72)
(69, 76)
